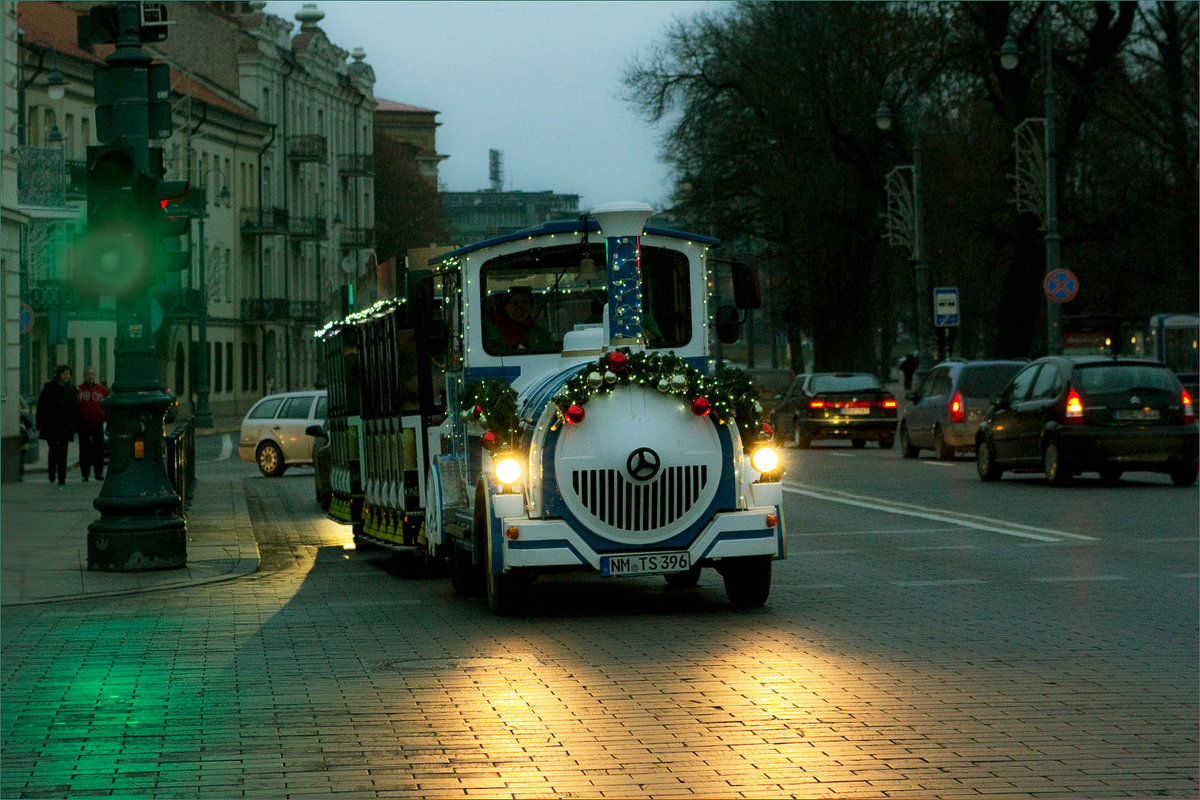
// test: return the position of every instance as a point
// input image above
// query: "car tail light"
(816, 403)
(1074, 408)
(957, 412)
(1189, 409)
(889, 403)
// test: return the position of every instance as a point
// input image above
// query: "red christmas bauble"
(477, 412)
(701, 406)
(617, 361)
(489, 440)
(573, 414)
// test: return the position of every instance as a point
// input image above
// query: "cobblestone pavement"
(333, 673)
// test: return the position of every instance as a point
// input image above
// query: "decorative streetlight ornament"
(574, 414)
(701, 406)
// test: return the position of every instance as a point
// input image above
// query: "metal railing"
(180, 460)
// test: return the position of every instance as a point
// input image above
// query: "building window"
(216, 373)
(87, 354)
(103, 359)
(229, 366)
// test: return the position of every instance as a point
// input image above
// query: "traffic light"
(165, 227)
(114, 256)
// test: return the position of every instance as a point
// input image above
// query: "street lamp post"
(1009, 59)
(203, 413)
(908, 227)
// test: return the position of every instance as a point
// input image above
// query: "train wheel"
(747, 580)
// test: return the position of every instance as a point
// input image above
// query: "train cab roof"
(568, 226)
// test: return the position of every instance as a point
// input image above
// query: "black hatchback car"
(1064, 415)
(836, 405)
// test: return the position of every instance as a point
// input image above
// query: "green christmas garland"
(729, 391)
(494, 403)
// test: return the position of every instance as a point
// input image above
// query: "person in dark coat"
(57, 421)
(908, 366)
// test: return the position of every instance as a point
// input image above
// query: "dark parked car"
(1064, 415)
(836, 405)
(948, 405)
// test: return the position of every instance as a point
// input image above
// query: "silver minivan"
(948, 405)
(274, 430)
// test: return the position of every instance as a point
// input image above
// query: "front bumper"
(554, 543)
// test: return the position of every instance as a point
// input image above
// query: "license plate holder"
(855, 411)
(657, 563)
(1135, 414)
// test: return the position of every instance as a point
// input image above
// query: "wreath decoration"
(493, 403)
(728, 395)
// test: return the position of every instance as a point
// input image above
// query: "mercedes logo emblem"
(643, 464)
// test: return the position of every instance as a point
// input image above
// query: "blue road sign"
(945, 306)
(1061, 285)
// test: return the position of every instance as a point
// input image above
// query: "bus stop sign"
(945, 306)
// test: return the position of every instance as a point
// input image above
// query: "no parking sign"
(1061, 285)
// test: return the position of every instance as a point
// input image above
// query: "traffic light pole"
(139, 528)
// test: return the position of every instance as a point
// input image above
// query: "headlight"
(508, 471)
(765, 459)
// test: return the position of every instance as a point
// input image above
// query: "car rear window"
(266, 409)
(844, 383)
(986, 380)
(1100, 378)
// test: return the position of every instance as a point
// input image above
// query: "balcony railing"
(356, 164)
(305, 310)
(307, 228)
(358, 237)
(308, 147)
(264, 221)
(41, 177)
(264, 309)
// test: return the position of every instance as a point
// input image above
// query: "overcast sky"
(539, 81)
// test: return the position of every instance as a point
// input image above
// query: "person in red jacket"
(91, 424)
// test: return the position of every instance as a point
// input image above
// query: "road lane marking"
(938, 463)
(226, 447)
(1081, 578)
(944, 582)
(938, 515)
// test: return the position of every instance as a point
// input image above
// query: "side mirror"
(728, 324)
(747, 293)
(317, 430)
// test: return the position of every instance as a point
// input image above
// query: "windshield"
(986, 380)
(844, 383)
(533, 298)
(1101, 378)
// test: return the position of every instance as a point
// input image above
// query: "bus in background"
(1174, 339)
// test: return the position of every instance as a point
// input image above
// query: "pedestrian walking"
(908, 366)
(91, 425)
(58, 420)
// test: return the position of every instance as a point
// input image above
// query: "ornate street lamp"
(1041, 165)
(906, 227)
(203, 414)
